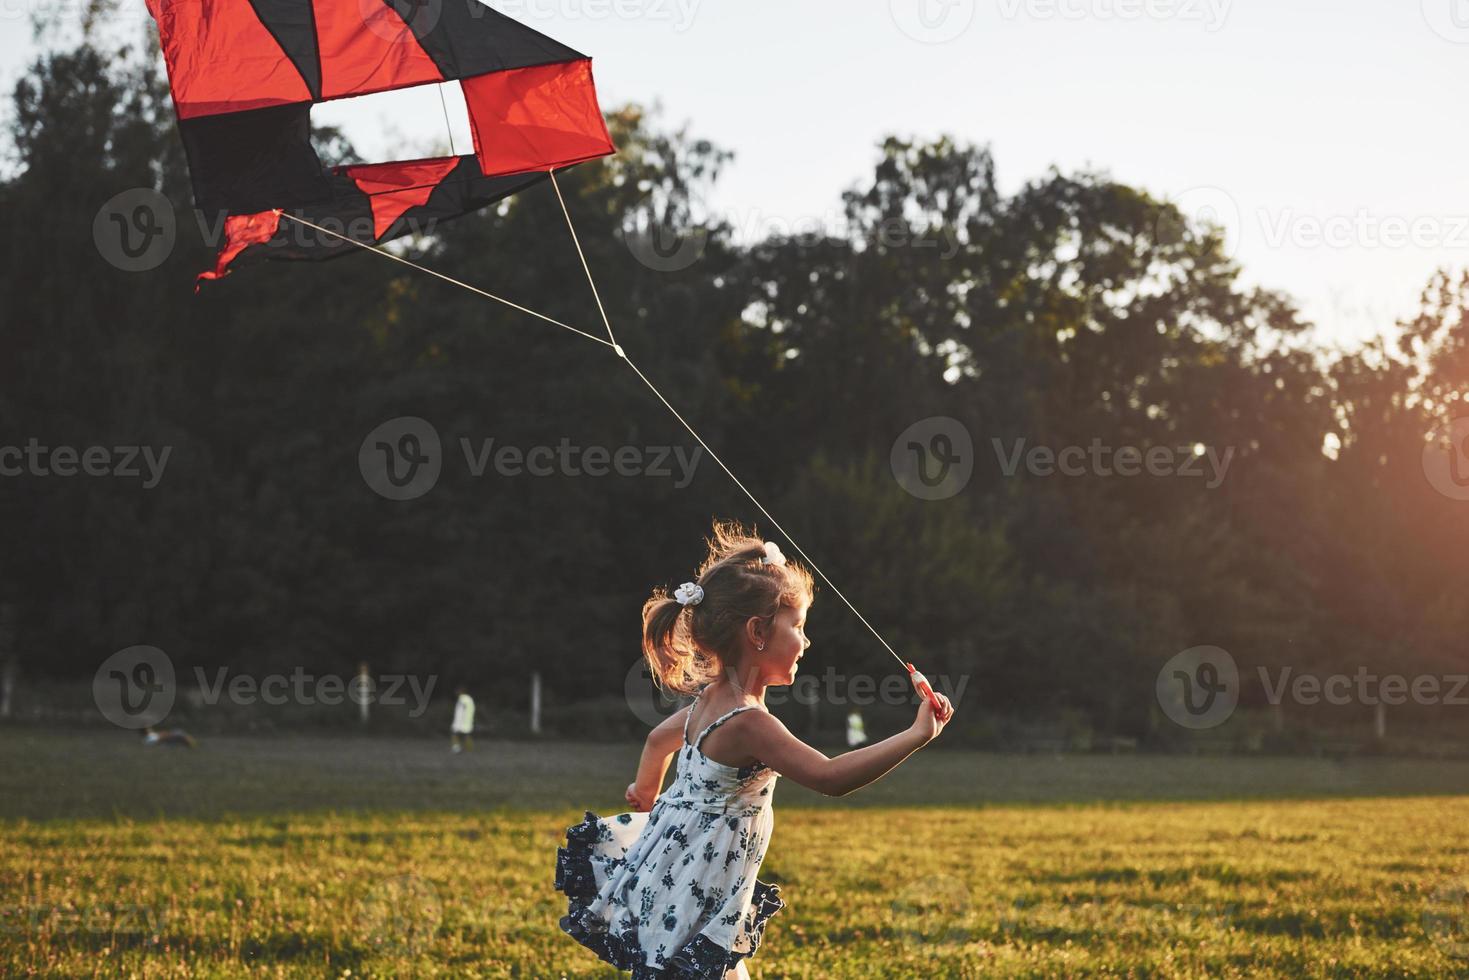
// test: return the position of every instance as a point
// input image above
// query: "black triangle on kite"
(467, 38)
(293, 24)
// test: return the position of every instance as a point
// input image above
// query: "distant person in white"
(856, 734)
(463, 727)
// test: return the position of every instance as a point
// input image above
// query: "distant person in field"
(856, 733)
(670, 889)
(462, 730)
(176, 737)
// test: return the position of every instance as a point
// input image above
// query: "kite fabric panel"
(370, 203)
(245, 73)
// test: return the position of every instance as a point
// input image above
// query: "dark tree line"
(1075, 311)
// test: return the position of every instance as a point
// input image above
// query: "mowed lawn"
(317, 856)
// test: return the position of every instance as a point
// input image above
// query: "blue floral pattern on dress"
(673, 894)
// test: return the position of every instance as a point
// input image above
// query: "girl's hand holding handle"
(928, 724)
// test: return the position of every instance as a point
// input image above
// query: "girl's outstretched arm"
(662, 742)
(768, 740)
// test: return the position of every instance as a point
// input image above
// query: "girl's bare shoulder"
(760, 725)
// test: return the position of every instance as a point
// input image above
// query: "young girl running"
(673, 894)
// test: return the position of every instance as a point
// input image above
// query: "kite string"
(575, 240)
(715, 456)
(439, 275)
(622, 354)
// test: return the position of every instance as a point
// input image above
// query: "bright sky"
(1328, 136)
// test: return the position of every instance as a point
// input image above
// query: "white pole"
(535, 703)
(364, 690)
(7, 657)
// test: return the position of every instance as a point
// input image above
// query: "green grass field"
(364, 857)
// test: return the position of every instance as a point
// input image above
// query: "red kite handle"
(926, 690)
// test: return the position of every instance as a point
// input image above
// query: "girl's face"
(786, 643)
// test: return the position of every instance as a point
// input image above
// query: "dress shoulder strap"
(718, 721)
(688, 716)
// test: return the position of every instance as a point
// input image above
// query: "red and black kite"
(245, 74)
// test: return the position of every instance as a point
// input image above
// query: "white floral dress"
(672, 894)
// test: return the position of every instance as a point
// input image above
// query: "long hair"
(686, 647)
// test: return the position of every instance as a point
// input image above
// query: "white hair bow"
(772, 555)
(689, 594)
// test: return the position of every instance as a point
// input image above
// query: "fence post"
(8, 657)
(535, 702)
(364, 692)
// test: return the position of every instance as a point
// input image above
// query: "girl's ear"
(755, 631)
